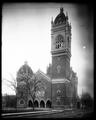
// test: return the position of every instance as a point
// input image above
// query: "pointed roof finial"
(61, 10)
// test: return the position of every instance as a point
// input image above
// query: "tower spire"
(61, 9)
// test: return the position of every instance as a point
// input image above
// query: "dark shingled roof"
(60, 17)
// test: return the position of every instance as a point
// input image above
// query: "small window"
(68, 38)
(21, 101)
(58, 46)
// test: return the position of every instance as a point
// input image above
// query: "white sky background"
(26, 36)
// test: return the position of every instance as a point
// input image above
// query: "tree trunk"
(16, 103)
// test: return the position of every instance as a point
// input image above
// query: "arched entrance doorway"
(42, 104)
(48, 104)
(30, 104)
(36, 104)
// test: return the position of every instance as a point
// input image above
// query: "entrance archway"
(48, 104)
(30, 104)
(36, 104)
(42, 104)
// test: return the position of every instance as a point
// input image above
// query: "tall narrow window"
(59, 41)
(68, 41)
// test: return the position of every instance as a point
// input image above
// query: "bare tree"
(12, 84)
(86, 100)
(33, 85)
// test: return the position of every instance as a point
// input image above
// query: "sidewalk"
(33, 112)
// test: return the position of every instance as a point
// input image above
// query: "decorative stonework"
(60, 81)
(58, 68)
(58, 91)
(40, 93)
(58, 58)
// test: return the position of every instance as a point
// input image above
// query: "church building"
(60, 81)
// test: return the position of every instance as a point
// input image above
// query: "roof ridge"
(43, 74)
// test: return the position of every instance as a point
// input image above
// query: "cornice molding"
(64, 80)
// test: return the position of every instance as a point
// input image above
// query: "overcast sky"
(26, 36)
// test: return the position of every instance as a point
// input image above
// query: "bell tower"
(61, 54)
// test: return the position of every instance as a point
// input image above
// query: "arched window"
(36, 104)
(48, 104)
(22, 101)
(30, 104)
(59, 41)
(42, 104)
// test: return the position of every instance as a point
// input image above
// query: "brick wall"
(65, 65)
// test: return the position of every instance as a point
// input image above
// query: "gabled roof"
(43, 75)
